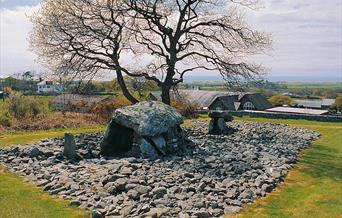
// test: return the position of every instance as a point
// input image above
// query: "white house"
(49, 87)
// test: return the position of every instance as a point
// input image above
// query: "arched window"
(248, 106)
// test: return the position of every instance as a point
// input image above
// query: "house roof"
(297, 110)
(259, 101)
(203, 98)
(314, 103)
(327, 102)
(90, 99)
(45, 82)
(229, 99)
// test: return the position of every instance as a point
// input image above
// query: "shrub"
(105, 109)
(184, 107)
(21, 107)
(280, 100)
(5, 119)
(337, 106)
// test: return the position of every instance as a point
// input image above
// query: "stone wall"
(274, 115)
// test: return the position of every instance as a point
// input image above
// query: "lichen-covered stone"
(148, 118)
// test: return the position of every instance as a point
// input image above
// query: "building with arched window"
(221, 100)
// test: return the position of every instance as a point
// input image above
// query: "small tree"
(280, 100)
(337, 106)
(169, 38)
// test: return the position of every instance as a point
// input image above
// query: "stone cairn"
(146, 129)
(217, 125)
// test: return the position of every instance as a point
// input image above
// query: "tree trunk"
(123, 87)
(166, 99)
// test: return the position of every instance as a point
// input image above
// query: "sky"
(307, 37)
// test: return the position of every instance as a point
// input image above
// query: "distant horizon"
(271, 78)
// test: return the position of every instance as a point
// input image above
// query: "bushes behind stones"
(184, 107)
(20, 107)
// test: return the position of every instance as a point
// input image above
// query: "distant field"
(314, 86)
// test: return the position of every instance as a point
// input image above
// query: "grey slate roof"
(230, 100)
(314, 103)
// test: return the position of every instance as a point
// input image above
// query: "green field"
(314, 85)
(313, 188)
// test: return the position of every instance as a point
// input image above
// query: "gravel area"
(212, 176)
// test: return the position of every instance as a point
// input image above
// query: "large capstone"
(149, 128)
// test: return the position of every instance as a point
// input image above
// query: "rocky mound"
(150, 129)
(215, 175)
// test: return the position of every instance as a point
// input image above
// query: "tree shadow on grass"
(323, 161)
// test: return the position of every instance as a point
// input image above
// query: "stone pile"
(212, 176)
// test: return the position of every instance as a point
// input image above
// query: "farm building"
(292, 110)
(75, 102)
(314, 104)
(221, 100)
(45, 87)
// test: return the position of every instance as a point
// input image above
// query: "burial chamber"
(146, 129)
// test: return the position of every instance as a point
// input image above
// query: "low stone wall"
(274, 115)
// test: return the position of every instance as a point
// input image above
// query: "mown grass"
(313, 188)
(22, 200)
(31, 137)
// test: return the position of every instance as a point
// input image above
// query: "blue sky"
(307, 37)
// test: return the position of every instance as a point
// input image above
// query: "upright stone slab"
(217, 125)
(69, 146)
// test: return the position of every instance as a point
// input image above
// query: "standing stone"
(218, 121)
(69, 146)
(146, 149)
(160, 143)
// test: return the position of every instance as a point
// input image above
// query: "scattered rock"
(210, 176)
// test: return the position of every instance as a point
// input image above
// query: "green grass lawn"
(21, 200)
(314, 187)
(31, 137)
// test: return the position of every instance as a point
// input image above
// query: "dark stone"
(217, 126)
(69, 146)
(221, 114)
(117, 140)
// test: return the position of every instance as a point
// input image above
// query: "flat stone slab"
(148, 118)
(216, 174)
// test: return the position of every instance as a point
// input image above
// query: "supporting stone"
(217, 125)
(69, 146)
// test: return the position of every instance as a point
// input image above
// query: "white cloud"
(307, 37)
(14, 47)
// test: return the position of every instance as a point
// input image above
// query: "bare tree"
(176, 36)
(81, 38)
